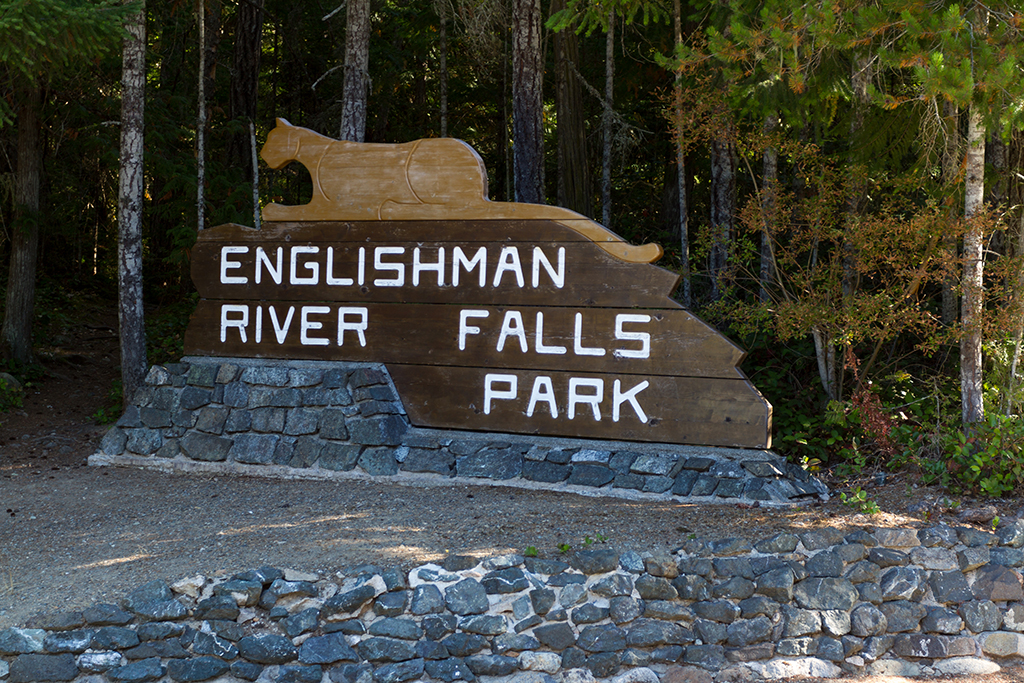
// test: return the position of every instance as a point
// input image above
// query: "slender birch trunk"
(131, 315)
(973, 271)
(684, 227)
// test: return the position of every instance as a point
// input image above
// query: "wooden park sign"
(489, 316)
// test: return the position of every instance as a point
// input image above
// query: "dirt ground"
(72, 535)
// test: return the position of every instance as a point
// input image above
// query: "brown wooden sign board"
(534, 319)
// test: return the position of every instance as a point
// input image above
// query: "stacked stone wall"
(306, 418)
(928, 601)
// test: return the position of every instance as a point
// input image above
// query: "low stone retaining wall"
(311, 418)
(937, 600)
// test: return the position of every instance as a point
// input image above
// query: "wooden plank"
(372, 271)
(430, 179)
(623, 341)
(683, 410)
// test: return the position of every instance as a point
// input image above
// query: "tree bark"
(573, 176)
(973, 271)
(442, 10)
(723, 200)
(16, 332)
(357, 71)
(607, 122)
(131, 315)
(950, 172)
(527, 102)
(245, 73)
(684, 227)
(769, 188)
(201, 124)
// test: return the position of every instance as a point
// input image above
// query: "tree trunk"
(527, 102)
(723, 200)
(684, 227)
(16, 333)
(442, 10)
(201, 125)
(769, 188)
(573, 178)
(245, 73)
(607, 122)
(950, 172)
(131, 316)
(973, 269)
(357, 71)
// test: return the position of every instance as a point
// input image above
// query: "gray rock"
(981, 616)
(466, 597)
(33, 668)
(114, 638)
(829, 649)
(384, 430)
(1008, 557)
(655, 588)
(836, 622)
(17, 641)
(950, 587)
(776, 584)
(437, 627)
(484, 624)
(721, 611)
(864, 571)
(595, 561)
(348, 602)
(448, 670)
(654, 633)
(197, 669)
(728, 547)
(205, 447)
(942, 620)
(510, 580)
(326, 649)
(736, 588)
(380, 462)
(711, 657)
(557, 637)
(465, 644)
(602, 638)
(972, 558)
(589, 613)
(611, 586)
(624, 609)
(902, 583)
(710, 632)
(668, 610)
(903, 615)
(796, 647)
(800, 622)
(819, 539)
(816, 593)
(502, 463)
(594, 476)
(851, 552)
(919, 646)
(896, 538)
(887, 557)
(975, 538)
(758, 605)
(391, 604)
(491, 665)
(778, 544)
(209, 644)
(378, 649)
(749, 631)
(826, 563)
(145, 670)
(997, 583)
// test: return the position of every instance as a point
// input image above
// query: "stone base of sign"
(316, 419)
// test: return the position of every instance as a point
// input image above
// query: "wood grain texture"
(683, 410)
(430, 179)
(678, 343)
(593, 277)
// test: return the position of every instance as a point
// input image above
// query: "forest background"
(839, 183)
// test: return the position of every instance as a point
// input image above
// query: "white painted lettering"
(465, 329)
(305, 325)
(459, 259)
(331, 280)
(513, 326)
(539, 344)
(542, 391)
(312, 266)
(226, 265)
(540, 258)
(418, 267)
(398, 268)
(618, 398)
(263, 261)
(593, 400)
(361, 273)
(359, 326)
(508, 262)
(577, 341)
(281, 330)
(259, 324)
(643, 337)
(491, 393)
(241, 323)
